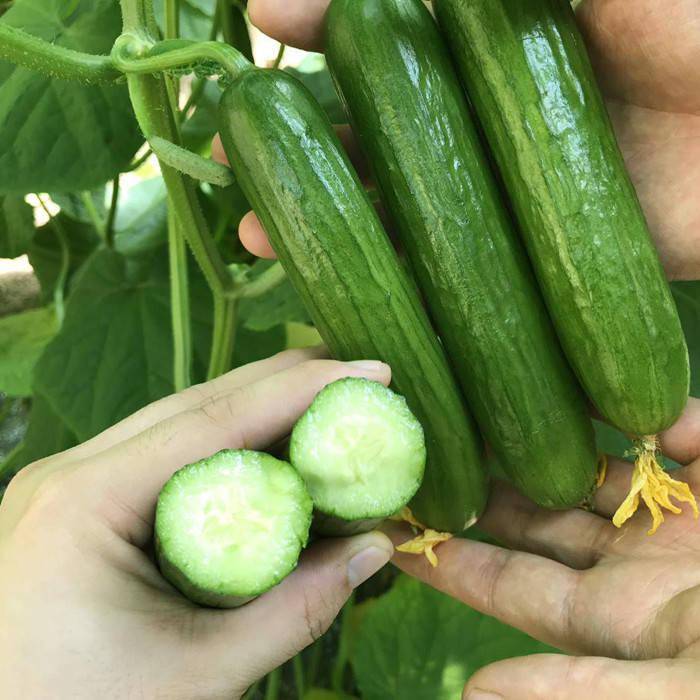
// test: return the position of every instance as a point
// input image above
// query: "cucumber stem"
(128, 55)
(23, 49)
(653, 485)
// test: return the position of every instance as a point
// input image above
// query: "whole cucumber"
(525, 67)
(330, 241)
(409, 112)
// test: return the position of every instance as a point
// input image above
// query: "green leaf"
(46, 435)
(23, 338)
(195, 17)
(45, 250)
(141, 222)
(687, 296)
(113, 353)
(14, 416)
(323, 694)
(59, 135)
(198, 131)
(417, 643)
(16, 226)
(313, 72)
(73, 204)
(279, 305)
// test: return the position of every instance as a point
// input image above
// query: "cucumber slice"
(231, 526)
(359, 449)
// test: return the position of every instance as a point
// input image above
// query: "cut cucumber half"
(359, 449)
(231, 526)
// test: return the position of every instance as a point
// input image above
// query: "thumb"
(554, 676)
(288, 618)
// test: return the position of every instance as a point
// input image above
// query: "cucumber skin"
(407, 108)
(529, 78)
(330, 241)
(191, 591)
(330, 526)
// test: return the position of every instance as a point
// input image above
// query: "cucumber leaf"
(23, 337)
(55, 134)
(417, 643)
(16, 226)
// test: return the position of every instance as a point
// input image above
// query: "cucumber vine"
(150, 65)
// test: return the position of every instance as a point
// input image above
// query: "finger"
(574, 537)
(607, 499)
(254, 238)
(294, 22)
(294, 614)
(524, 590)
(681, 442)
(252, 416)
(186, 400)
(558, 677)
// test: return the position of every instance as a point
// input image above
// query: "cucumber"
(525, 67)
(360, 451)
(330, 241)
(231, 526)
(406, 105)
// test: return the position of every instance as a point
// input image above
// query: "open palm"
(573, 580)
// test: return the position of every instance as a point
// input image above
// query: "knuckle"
(50, 497)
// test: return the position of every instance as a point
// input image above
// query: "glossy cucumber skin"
(408, 110)
(330, 241)
(529, 78)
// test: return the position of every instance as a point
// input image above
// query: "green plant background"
(67, 373)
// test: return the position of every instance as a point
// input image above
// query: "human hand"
(85, 613)
(573, 580)
(646, 54)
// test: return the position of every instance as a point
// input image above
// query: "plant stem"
(269, 279)
(341, 657)
(272, 688)
(111, 216)
(280, 56)
(96, 219)
(149, 97)
(59, 288)
(223, 336)
(23, 49)
(140, 161)
(172, 19)
(234, 26)
(315, 652)
(250, 693)
(179, 306)
(298, 667)
(128, 56)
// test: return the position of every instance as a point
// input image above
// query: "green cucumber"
(231, 526)
(408, 110)
(322, 225)
(360, 451)
(525, 67)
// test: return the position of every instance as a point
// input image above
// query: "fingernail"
(374, 366)
(366, 563)
(478, 694)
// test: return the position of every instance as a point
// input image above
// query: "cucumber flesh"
(359, 449)
(231, 526)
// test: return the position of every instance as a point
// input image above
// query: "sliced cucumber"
(231, 526)
(360, 451)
